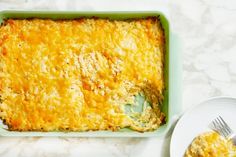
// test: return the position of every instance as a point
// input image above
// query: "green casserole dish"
(172, 71)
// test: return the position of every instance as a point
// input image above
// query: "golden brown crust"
(77, 75)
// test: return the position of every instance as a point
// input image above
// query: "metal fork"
(220, 126)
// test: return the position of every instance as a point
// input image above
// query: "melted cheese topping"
(211, 144)
(78, 75)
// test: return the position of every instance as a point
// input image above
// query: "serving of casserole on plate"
(211, 144)
(81, 74)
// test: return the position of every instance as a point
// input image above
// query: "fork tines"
(220, 126)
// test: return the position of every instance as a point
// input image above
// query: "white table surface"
(207, 29)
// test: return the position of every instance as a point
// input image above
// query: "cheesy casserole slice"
(211, 144)
(80, 75)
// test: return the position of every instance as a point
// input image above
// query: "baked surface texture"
(79, 75)
(211, 144)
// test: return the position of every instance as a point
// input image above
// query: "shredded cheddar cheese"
(78, 75)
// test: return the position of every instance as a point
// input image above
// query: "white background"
(207, 29)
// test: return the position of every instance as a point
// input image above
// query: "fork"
(220, 126)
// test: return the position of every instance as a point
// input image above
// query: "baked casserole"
(82, 74)
(211, 144)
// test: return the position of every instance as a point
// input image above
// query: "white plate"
(197, 120)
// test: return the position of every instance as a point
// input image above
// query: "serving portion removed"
(82, 74)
